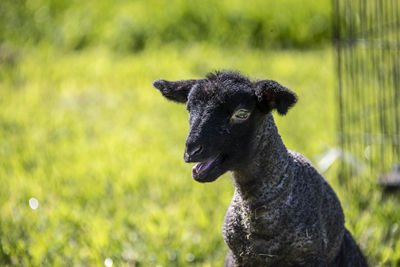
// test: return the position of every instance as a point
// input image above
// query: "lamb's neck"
(267, 166)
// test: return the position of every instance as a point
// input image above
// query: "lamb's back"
(314, 193)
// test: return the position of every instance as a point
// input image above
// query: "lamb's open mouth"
(201, 170)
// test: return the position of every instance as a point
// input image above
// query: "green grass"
(101, 150)
(135, 25)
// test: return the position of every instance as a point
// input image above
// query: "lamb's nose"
(196, 150)
(192, 152)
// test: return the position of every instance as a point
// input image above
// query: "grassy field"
(86, 135)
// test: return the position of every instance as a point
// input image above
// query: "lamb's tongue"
(200, 166)
(197, 168)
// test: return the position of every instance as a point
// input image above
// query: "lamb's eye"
(241, 115)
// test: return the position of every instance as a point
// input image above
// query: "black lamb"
(283, 212)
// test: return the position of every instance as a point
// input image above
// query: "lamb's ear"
(177, 90)
(271, 95)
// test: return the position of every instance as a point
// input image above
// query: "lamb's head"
(224, 111)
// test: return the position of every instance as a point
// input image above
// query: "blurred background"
(91, 156)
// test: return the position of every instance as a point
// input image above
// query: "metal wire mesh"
(367, 39)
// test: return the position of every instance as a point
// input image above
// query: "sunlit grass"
(101, 151)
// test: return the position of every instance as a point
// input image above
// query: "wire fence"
(367, 40)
